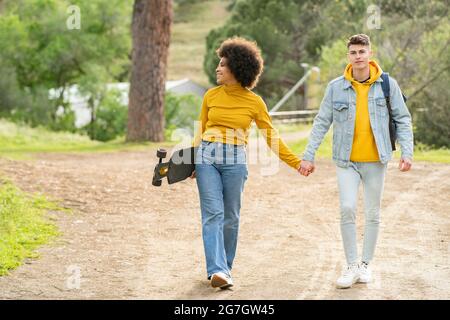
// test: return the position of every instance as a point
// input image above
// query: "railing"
(297, 115)
(293, 116)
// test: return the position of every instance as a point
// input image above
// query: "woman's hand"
(306, 168)
(193, 175)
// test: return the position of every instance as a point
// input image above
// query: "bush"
(111, 116)
(110, 119)
(22, 104)
(181, 111)
(432, 126)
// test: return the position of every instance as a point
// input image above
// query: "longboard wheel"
(161, 153)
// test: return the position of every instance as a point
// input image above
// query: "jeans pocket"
(204, 153)
(240, 154)
(205, 143)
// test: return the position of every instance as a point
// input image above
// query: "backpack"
(387, 95)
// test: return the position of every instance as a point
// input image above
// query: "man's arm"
(321, 125)
(402, 119)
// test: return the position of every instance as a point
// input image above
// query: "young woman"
(221, 170)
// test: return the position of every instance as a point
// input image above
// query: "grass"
(24, 225)
(21, 142)
(192, 24)
(325, 150)
(425, 153)
(421, 152)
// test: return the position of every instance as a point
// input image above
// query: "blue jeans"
(371, 174)
(221, 172)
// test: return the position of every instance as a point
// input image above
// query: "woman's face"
(223, 73)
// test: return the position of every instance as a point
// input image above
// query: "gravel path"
(129, 240)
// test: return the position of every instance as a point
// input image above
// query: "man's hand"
(306, 168)
(405, 164)
(192, 175)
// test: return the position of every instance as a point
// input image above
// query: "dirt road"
(129, 240)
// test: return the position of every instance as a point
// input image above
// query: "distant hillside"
(187, 48)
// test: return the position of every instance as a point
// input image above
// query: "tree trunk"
(151, 38)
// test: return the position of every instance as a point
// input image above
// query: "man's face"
(359, 56)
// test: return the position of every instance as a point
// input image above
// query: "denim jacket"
(338, 107)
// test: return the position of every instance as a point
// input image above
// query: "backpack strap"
(385, 86)
(387, 95)
(386, 91)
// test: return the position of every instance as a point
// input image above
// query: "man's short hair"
(362, 39)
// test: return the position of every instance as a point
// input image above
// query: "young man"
(356, 106)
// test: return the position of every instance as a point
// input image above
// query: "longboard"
(179, 167)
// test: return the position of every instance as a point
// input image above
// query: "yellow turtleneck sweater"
(364, 148)
(227, 114)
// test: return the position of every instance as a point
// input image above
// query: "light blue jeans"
(371, 174)
(221, 172)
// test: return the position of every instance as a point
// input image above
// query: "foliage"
(24, 225)
(38, 52)
(42, 53)
(288, 32)
(415, 50)
(181, 112)
(110, 117)
(411, 44)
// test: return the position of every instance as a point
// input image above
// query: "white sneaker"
(221, 280)
(348, 277)
(365, 274)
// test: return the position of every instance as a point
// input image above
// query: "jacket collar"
(347, 84)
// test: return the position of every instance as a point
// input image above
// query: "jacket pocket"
(340, 111)
(381, 109)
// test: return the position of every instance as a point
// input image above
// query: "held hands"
(192, 175)
(405, 164)
(306, 168)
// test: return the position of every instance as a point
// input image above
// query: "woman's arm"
(275, 143)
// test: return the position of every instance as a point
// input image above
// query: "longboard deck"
(181, 165)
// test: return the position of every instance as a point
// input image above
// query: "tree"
(38, 52)
(414, 48)
(289, 32)
(151, 37)
(411, 44)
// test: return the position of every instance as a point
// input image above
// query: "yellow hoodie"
(364, 148)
